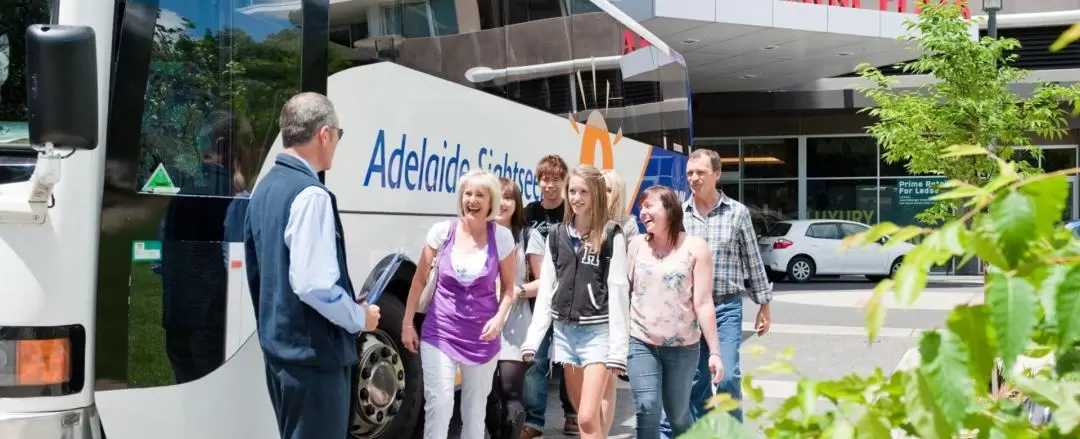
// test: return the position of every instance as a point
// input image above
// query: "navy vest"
(290, 330)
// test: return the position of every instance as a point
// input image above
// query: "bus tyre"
(388, 397)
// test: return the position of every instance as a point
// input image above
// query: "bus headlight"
(7, 363)
(41, 361)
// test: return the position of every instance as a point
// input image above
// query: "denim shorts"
(579, 345)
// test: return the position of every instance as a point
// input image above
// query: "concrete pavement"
(823, 323)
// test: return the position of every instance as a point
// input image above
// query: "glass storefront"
(838, 177)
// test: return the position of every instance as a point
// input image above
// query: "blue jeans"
(660, 379)
(536, 387)
(729, 316)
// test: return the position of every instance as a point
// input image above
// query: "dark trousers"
(310, 403)
(536, 387)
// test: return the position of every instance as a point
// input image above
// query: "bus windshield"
(16, 164)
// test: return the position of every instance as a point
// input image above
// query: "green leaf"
(875, 233)
(961, 193)
(1049, 278)
(945, 365)
(963, 150)
(872, 426)
(903, 235)
(755, 393)
(1067, 307)
(923, 413)
(875, 309)
(1067, 417)
(806, 391)
(722, 402)
(985, 241)
(1049, 195)
(970, 324)
(1066, 38)
(910, 279)
(1042, 391)
(952, 238)
(1012, 313)
(840, 429)
(718, 424)
(1013, 218)
(777, 367)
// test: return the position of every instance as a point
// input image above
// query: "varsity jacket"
(585, 287)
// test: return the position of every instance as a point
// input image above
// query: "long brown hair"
(672, 207)
(517, 220)
(594, 180)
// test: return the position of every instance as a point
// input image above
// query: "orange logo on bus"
(595, 134)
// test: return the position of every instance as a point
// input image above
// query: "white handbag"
(429, 286)
(433, 274)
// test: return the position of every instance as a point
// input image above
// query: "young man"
(305, 314)
(725, 225)
(542, 216)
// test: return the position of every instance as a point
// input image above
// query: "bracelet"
(716, 354)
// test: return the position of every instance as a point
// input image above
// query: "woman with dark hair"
(671, 309)
(506, 410)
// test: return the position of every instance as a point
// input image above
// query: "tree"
(965, 128)
(968, 103)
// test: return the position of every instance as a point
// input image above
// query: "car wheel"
(389, 390)
(895, 267)
(800, 269)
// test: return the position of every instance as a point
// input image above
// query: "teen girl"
(617, 209)
(584, 289)
(508, 395)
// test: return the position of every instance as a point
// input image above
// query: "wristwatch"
(520, 292)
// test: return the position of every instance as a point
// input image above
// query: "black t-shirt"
(543, 219)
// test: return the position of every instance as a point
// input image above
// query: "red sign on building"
(888, 5)
(632, 41)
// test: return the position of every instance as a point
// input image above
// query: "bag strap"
(632, 254)
(608, 247)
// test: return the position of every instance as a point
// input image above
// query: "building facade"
(773, 92)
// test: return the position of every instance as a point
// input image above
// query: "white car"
(801, 249)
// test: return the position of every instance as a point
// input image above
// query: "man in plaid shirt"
(737, 271)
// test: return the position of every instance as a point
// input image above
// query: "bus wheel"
(389, 390)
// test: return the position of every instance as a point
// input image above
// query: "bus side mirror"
(62, 86)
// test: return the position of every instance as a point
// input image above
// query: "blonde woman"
(617, 209)
(584, 289)
(465, 318)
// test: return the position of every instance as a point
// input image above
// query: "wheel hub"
(380, 389)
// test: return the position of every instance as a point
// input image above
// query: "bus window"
(16, 162)
(199, 102)
(565, 57)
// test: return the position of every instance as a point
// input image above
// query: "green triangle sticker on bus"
(160, 182)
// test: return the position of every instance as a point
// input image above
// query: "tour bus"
(133, 132)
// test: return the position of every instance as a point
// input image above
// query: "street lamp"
(991, 7)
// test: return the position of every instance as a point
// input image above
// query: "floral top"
(662, 299)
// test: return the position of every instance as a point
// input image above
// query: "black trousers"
(310, 403)
(506, 404)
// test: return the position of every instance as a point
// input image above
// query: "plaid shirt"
(730, 234)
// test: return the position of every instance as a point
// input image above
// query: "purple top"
(457, 312)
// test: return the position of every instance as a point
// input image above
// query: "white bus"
(124, 309)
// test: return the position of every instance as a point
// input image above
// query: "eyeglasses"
(340, 132)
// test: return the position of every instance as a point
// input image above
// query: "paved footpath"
(823, 322)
